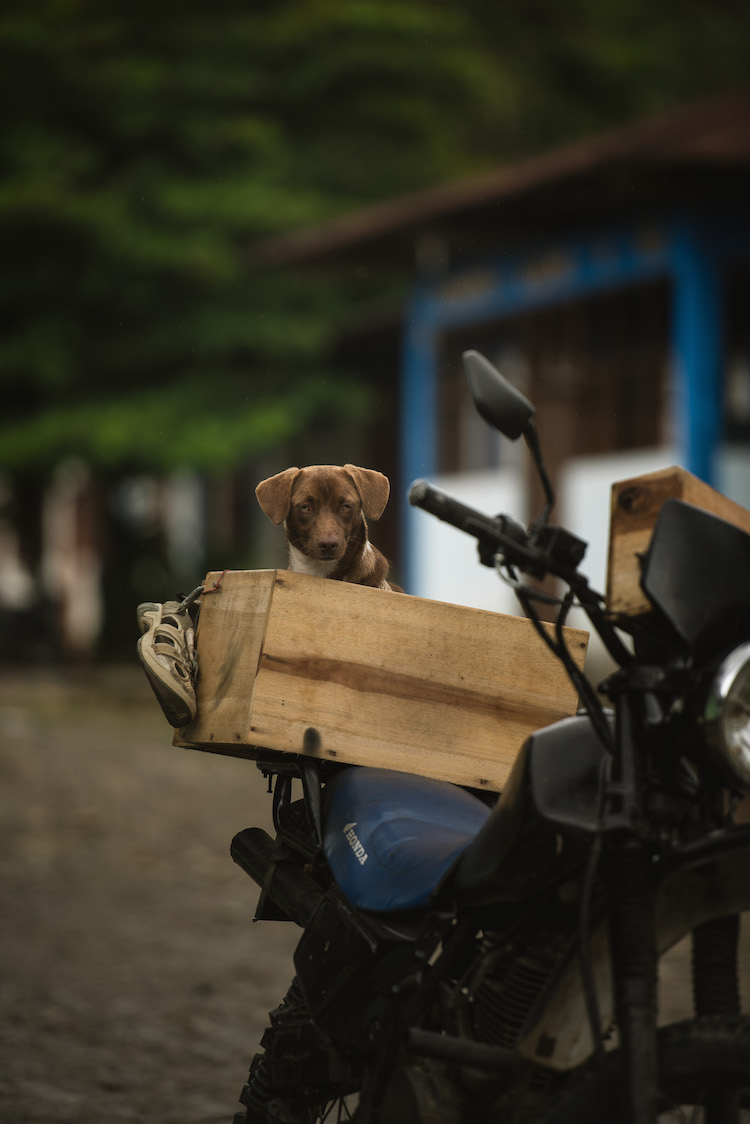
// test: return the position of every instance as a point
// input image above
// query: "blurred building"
(609, 280)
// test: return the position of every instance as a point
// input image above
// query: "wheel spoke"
(343, 1112)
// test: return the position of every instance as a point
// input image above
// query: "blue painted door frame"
(692, 251)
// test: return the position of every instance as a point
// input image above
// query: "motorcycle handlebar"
(501, 533)
(550, 551)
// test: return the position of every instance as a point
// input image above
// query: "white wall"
(583, 507)
(734, 474)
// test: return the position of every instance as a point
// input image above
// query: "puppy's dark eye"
(303, 507)
(346, 506)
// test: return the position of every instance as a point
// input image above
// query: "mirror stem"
(531, 436)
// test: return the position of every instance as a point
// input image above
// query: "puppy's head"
(324, 506)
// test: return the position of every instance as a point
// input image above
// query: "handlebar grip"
(450, 510)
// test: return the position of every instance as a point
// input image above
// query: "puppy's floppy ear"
(373, 489)
(274, 495)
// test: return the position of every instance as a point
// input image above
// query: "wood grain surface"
(304, 665)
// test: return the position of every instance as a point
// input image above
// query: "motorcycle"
(461, 960)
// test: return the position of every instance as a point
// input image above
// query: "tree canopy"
(146, 146)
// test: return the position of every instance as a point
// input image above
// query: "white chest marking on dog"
(301, 564)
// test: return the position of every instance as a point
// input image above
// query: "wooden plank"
(231, 629)
(372, 678)
(417, 685)
(635, 506)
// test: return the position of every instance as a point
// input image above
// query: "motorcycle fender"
(704, 882)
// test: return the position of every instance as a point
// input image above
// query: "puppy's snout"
(328, 547)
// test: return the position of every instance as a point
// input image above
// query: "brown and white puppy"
(325, 509)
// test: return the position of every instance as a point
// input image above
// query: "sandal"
(167, 651)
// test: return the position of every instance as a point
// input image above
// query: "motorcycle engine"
(507, 980)
(500, 992)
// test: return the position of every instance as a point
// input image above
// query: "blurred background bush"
(152, 372)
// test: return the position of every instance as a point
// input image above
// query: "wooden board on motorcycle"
(299, 664)
(635, 506)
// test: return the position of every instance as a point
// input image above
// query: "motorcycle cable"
(588, 983)
(559, 649)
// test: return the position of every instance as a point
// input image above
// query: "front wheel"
(301, 1078)
(294, 1106)
(704, 1078)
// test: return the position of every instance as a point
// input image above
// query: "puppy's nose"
(328, 547)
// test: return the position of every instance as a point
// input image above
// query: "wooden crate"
(635, 505)
(304, 665)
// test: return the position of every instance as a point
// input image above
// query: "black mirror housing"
(500, 404)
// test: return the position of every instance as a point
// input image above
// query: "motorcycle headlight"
(727, 713)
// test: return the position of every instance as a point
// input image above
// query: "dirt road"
(133, 985)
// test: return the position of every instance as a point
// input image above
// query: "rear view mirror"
(500, 404)
(505, 409)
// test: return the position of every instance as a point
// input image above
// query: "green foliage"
(585, 66)
(146, 147)
(205, 422)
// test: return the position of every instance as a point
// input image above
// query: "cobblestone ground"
(133, 986)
